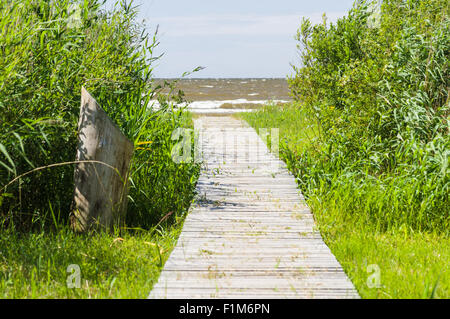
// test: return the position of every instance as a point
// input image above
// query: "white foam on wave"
(215, 104)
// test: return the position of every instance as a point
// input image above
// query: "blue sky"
(231, 38)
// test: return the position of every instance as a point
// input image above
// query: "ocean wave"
(215, 104)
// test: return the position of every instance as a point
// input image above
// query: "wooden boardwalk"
(249, 233)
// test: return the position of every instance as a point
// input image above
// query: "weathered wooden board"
(249, 233)
(100, 195)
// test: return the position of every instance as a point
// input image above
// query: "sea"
(230, 95)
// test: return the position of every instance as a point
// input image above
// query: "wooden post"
(101, 190)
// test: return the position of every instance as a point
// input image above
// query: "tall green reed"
(379, 95)
(50, 49)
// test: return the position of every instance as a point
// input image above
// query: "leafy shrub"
(50, 49)
(379, 93)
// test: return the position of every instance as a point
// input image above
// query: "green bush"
(379, 94)
(50, 49)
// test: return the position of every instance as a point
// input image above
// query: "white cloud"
(244, 25)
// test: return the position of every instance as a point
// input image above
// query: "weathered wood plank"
(101, 190)
(264, 293)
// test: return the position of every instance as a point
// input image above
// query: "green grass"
(413, 264)
(296, 131)
(35, 265)
(410, 266)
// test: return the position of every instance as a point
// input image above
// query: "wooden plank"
(249, 233)
(100, 196)
(195, 293)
